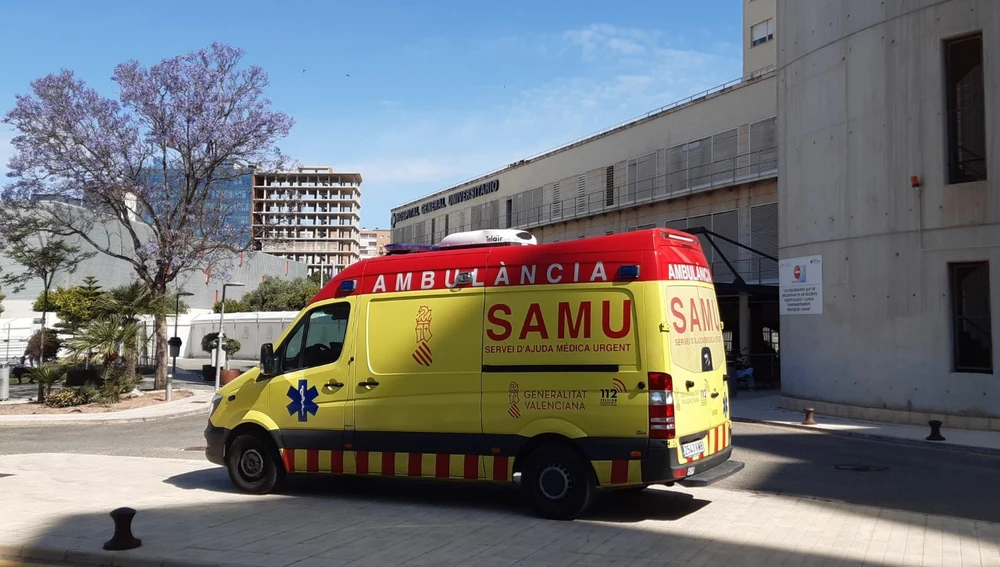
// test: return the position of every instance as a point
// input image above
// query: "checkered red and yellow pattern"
(423, 465)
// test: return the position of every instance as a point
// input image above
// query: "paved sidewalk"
(56, 508)
(763, 407)
(196, 404)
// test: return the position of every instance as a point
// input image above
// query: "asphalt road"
(778, 461)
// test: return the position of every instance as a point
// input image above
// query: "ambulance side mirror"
(268, 362)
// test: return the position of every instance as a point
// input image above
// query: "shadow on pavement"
(903, 478)
(608, 506)
(315, 532)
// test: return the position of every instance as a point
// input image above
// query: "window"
(318, 339)
(762, 32)
(972, 336)
(966, 109)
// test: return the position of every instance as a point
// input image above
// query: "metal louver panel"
(725, 224)
(724, 151)
(677, 174)
(764, 237)
(763, 146)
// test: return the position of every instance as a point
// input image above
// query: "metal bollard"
(4, 382)
(809, 417)
(123, 538)
(935, 431)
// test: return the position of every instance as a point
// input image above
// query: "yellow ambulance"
(574, 366)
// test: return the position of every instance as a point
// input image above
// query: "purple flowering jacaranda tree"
(148, 164)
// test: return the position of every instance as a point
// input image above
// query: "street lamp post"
(175, 345)
(222, 333)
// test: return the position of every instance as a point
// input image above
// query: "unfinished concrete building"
(311, 215)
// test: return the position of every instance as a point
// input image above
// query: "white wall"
(861, 109)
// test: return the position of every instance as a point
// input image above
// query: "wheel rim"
(555, 482)
(251, 465)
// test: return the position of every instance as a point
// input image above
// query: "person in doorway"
(744, 370)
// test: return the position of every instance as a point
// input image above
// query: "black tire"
(253, 465)
(559, 484)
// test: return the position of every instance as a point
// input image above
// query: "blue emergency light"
(347, 286)
(628, 272)
(401, 248)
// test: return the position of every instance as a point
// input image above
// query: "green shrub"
(69, 397)
(48, 374)
(117, 381)
(209, 342)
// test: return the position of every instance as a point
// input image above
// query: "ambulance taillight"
(662, 423)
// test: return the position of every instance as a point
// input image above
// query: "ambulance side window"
(291, 350)
(325, 334)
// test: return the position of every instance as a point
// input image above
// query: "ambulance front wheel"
(253, 465)
(559, 483)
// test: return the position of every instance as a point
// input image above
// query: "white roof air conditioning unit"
(501, 237)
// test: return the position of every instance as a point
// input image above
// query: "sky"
(416, 95)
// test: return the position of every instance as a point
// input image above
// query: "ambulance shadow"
(609, 506)
(650, 504)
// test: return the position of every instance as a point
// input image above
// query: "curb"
(966, 449)
(104, 421)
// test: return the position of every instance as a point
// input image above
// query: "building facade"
(311, 215)
(373, 242)
(707, 163)
(889, 209)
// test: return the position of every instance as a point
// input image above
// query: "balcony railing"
(754, 166)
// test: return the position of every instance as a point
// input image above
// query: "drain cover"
(194, 449)
(861, 468)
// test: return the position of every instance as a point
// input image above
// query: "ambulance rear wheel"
(559, 483)
(253, 465)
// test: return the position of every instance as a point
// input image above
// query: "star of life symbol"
(512, 391)
(423, 354)
(302, 400)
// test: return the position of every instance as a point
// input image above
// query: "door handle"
(715, 395)
(368, 383)
(689, 384)
(333, 384)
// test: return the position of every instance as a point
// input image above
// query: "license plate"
(693, 448)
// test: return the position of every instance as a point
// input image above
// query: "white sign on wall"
(801, 285)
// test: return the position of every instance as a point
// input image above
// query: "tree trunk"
(160, 328)
(41, 339)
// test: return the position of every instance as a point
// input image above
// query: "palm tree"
(126, 304)
(107, 338)
(47, 375)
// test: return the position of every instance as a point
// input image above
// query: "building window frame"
(980, 322)
(965, 108)
(768, 32)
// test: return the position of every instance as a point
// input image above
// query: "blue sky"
(439, 91)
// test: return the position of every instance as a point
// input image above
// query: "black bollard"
(123, 538)
(935, 431)
(809, 417)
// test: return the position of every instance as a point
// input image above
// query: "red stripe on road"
(416, 464)
(362, 465)
(388, 463)
(337, 462)
(442, 465)
(289, 456)
(500, 469)
(471, 467)
(312, 460)
(619, 472)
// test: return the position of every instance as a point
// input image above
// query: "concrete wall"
(738, 109)
(111, 272)
(862, 108)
